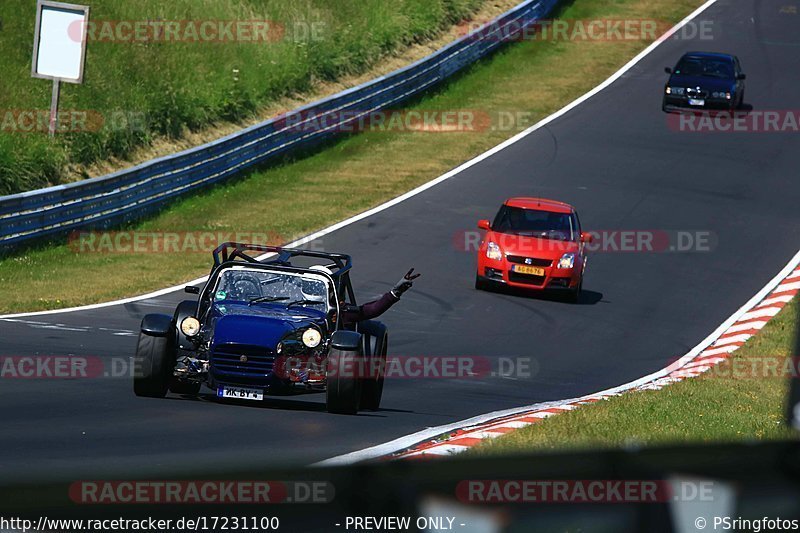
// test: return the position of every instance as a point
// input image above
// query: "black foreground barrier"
(686, 488)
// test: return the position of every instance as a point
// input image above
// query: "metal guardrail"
(107, 201)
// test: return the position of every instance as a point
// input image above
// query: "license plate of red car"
(524, 269)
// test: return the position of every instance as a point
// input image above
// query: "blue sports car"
(704, 80)
(266, 324)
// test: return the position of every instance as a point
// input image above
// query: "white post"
(54, 107)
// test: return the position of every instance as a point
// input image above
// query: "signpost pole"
(59, 49)
(54, 107)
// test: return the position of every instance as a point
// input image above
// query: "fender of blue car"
(157, 325)
(346, 340)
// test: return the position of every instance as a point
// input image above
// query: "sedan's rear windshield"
(536, 223)
(701, 66)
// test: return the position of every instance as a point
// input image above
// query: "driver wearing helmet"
(313, 290)
(356, 313)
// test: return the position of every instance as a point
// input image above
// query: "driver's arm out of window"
(369, 310)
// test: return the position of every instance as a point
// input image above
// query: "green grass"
(180, 87)
(533, 78)
(727, 404)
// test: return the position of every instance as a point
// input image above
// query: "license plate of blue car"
(240, 393)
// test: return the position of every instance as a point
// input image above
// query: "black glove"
(405, 283)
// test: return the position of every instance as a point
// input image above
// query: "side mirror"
(586, 237)
(668, 70)
(741, 77)
(191, 289)
(484, 224)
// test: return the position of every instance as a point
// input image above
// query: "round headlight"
(311, 338)
(190, 326)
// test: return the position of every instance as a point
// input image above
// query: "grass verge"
(528, 80)
(194, 69)
(741, 399)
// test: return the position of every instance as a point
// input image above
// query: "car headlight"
(493, 252)
(190, 326)
(676, 90)
(727, 96)
(716, 94)
(566, 261)
(311, 338)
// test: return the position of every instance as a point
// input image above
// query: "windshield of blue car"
(536, 223)
(710, 68)
(262, 287)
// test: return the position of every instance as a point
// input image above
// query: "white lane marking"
(23, 321)
(59, 327)
(424, 187)
(64, 327)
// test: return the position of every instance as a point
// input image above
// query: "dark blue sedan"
(704, 80)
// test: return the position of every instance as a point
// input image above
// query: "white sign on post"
(59, 47)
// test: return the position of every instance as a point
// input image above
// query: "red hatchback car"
(533, 243)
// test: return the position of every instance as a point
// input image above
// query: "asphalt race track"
(614, 157)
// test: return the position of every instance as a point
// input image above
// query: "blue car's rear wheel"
(343, 391)
(152, 366)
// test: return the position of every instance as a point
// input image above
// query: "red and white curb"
(717, 347)
(730, 340)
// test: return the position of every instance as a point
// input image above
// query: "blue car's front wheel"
(152, 366)
(343, 391)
